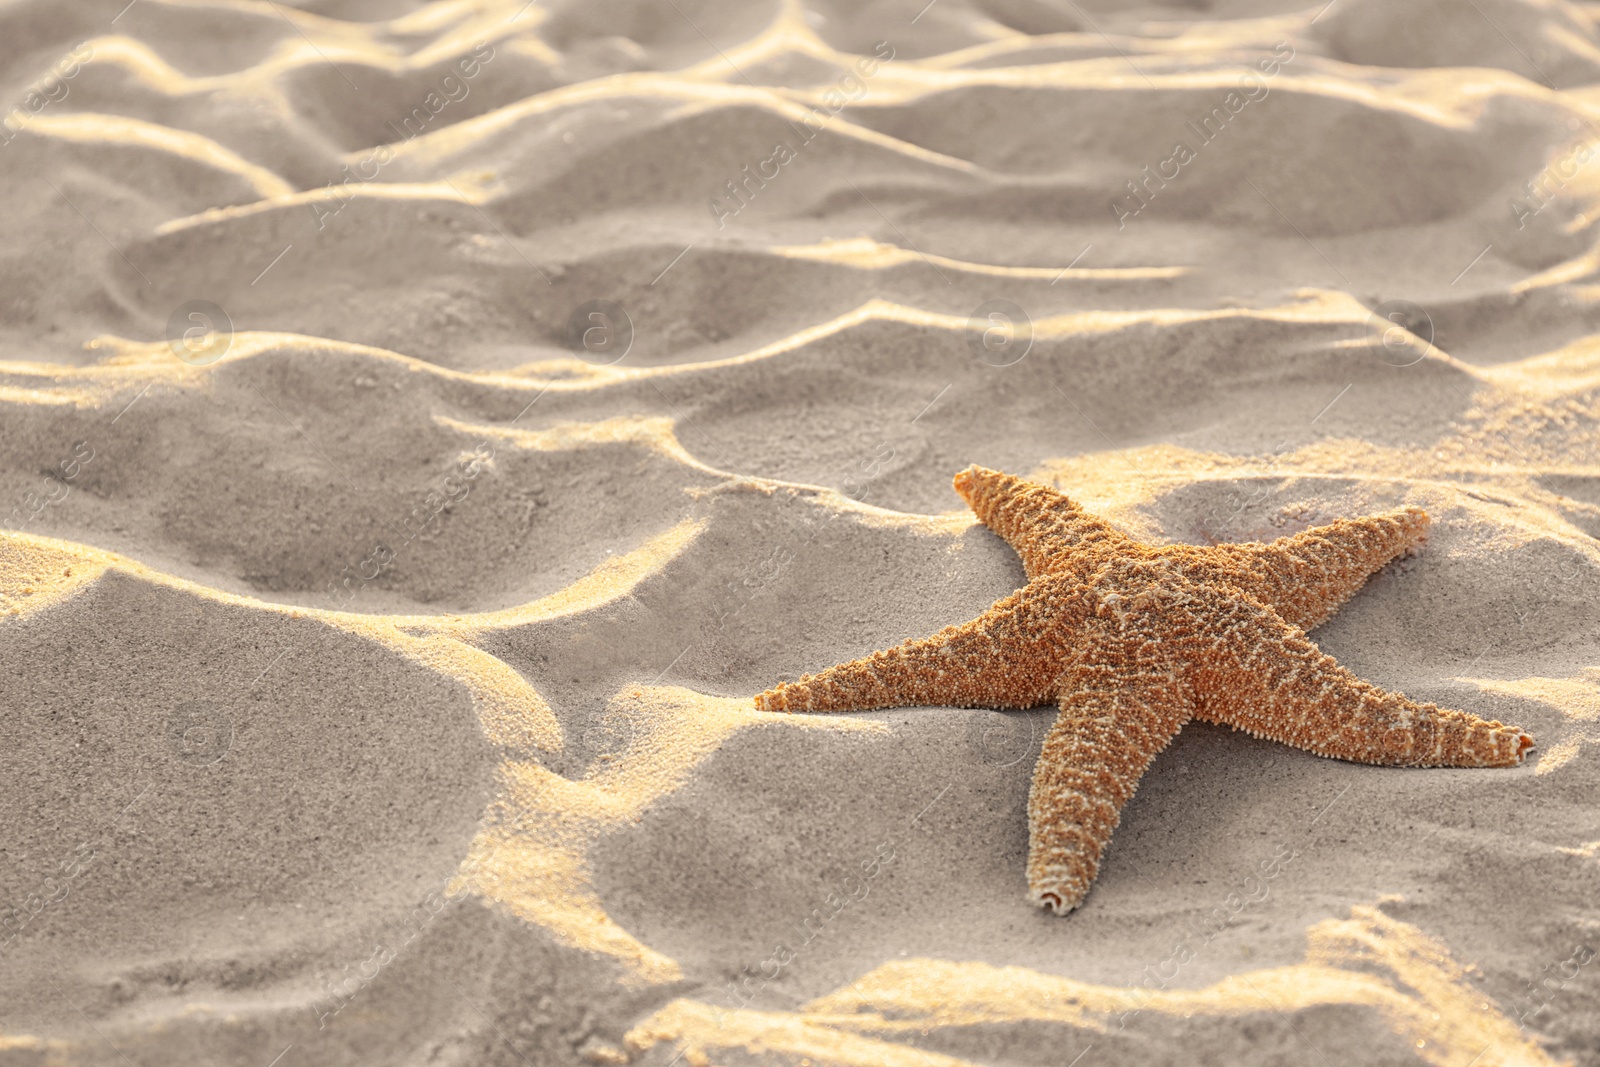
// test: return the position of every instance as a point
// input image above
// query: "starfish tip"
(963, 481)
(1052, 901)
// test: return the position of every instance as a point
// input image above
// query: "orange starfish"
(1134, 640)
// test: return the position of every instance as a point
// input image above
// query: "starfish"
(1134, 640)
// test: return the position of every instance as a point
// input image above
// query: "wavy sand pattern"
(379, 644)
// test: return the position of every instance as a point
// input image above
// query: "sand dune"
(380, 625)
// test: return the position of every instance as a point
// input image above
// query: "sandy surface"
(380, 625)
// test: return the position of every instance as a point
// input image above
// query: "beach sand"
(424, 427)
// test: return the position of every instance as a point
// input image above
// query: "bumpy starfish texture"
(1133, 641)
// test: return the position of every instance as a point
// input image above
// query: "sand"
(424, 427)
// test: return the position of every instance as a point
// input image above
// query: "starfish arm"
(1254, 672)
(1044, 526)
(1120, 706)
(1306, 577)
(1005, 658)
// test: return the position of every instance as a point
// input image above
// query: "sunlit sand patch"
(1123, 484)
(653, 432)
(1202, 41)
(1508, 498)
(453, 31)
(123, 361)
(53, 1050)
(671, 97)
(835, 503)
(863, 253)
(461, 26)
(1542, 410)
(10, 394)
(1436, 97)
(147, 68)
(706, 1033)
(122, 356)
(124, 367)
(531, 856)
(787, 35)
(531, 853)
(1588, 851)
(92, 129)
(1115, 483)
(1311, 306)
(37, 573)
(610, 581)
(1577, 699)
(103, 384)
(43, 563)
(1387, 970)
(513, 713)
(1186, 61)
(290, 199)
(1572, 368)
